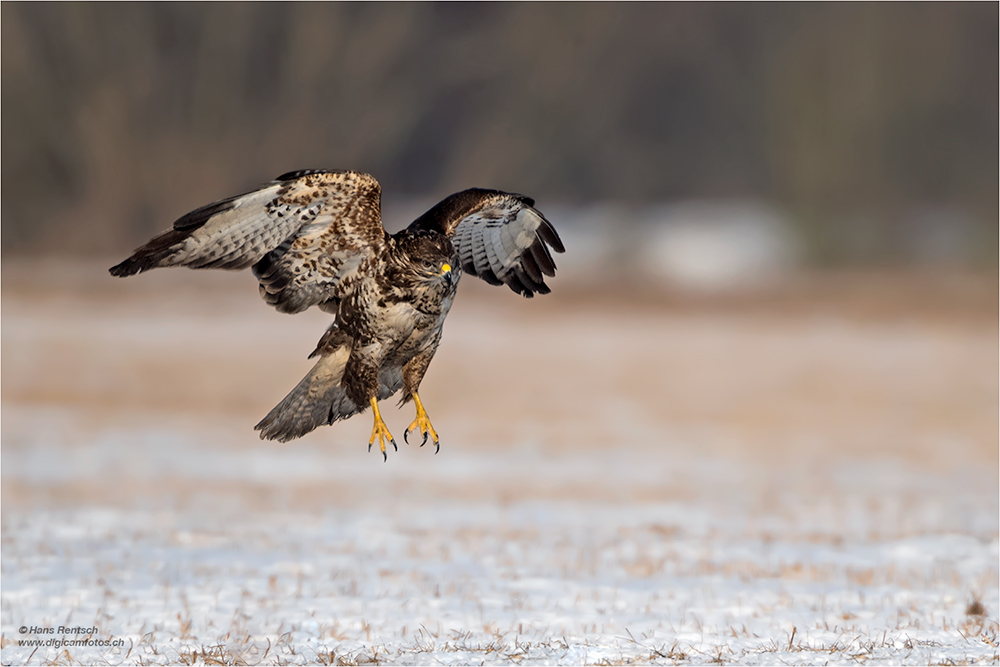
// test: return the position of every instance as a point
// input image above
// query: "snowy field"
(618, 483)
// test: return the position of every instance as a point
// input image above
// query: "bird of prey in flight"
(315, 238)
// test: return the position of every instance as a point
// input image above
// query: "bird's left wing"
(499, 236)
(303, 233)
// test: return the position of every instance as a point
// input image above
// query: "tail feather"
(320, 399)
(317, 400)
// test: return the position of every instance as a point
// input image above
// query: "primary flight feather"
(315, 238)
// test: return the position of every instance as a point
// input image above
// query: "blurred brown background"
(765, 379)
(839, 159)
(872, 127)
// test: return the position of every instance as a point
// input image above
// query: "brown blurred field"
(856, 369)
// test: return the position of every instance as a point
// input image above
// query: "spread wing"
(500, 237)
(305, 234)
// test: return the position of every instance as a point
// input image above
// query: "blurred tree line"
(860, 120)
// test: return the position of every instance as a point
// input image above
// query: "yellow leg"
(380, 431)
(424, 424)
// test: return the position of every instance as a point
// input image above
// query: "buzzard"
(315, 238)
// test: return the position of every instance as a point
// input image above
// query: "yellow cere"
(445, 268)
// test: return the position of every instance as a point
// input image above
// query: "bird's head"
(429, 257)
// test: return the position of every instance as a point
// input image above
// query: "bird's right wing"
(303, 233)
(500, 237)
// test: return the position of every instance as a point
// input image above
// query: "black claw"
(437, 446)
(394, 447)
(369, 448)
(385, 457)
(425, 439)
(406, 436)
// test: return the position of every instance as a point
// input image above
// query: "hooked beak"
(449, 277)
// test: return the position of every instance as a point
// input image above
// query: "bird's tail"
(317, 400)
(320, 398)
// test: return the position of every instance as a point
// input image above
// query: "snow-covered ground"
(615, 485)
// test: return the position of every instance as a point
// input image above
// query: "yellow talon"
(380, 431)
(423, 423)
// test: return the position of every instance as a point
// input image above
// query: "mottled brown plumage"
(315, 238)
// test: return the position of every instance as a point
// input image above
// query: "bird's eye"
(427, 263)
